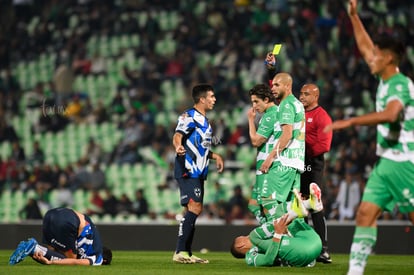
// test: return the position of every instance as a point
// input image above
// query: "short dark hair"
(236, 254)
(106, 255)
(200, 90)
(262, 91)
(391, 42)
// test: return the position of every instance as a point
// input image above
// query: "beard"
(280, 95)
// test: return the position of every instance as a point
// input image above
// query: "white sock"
(40, 248)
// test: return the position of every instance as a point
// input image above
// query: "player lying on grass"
(287, 241)
(70, 238)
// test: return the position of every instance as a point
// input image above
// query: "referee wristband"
(277, 236)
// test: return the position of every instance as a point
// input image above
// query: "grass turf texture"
(160, 263)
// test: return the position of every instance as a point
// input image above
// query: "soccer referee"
(317, 143)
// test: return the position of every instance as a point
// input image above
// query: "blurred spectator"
(31, 211)
(347, 200)
(118, 104)
(80, 178)
(63, 79)
(37, 156)
(96, 178)
(52, 120)
(7, 132)
(98, 64)
(36, 98)
(73, 110)
(221, 132)
(93, 152)
(81, 64)
(237, 205)
(21, 178)
(47, 179)
(17, 153)
(126, 150)
(9, 83)
(124, 206)
(110, 203)
(239, 136)
(217, 202)
(98, 114)
(64, 196)
(329, 194)
(96, 205)
(140, 204)
(3, 173)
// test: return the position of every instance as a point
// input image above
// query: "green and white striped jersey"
(395, 141)
(265, 129)
(291, 112)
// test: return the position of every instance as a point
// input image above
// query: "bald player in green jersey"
(391, 182)
(263, 102)
(285, 162)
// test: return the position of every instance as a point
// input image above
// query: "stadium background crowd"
(90, 92)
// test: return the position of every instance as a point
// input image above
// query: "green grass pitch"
(160, 263)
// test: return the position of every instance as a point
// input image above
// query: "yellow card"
(276, 49)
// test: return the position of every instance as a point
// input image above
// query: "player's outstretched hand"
(352, 7)
(40, 258)
(280, 225)
(270, 60)
(337, 125)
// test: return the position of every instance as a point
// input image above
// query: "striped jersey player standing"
(391, 182)
(192, 142)
(262, 102)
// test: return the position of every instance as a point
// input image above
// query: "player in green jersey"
(285, 162)
(391, 182)
(262, 102)
(287, 241)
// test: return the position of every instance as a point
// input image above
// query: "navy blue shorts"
(191, 188)
(60, 229)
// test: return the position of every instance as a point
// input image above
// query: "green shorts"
(391, 184)
(279, 182)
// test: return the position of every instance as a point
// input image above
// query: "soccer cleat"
(182, 257)
(24, 249)
(311, 264)
(198, 260)
(324, 257)
(315, 198)
(297, 205)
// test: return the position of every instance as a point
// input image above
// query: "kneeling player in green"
(294, 243)
(288, 241)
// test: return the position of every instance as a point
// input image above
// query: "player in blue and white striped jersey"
(192, 142)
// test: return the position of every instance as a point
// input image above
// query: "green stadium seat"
(142, 18)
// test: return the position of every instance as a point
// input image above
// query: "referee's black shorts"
(314, 168)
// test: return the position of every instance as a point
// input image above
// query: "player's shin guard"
(185, 231)
(274, 209)
(256, 210)
(362, 244)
